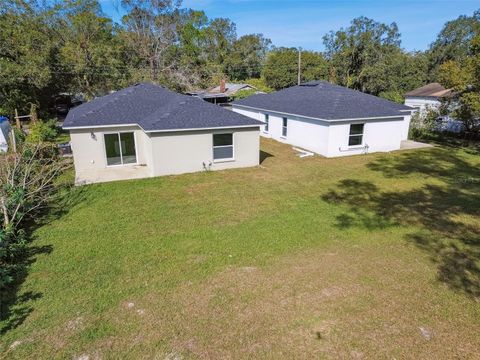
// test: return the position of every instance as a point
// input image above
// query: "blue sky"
(303, 23)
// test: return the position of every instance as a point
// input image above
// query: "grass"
(365, 256)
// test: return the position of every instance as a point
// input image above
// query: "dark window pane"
(356, 129)
(222, 139)
(112, 148)
(285, 122)
(266, 122)
(223, 152)
(355, 140)
(128, 148)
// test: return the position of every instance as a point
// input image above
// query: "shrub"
(27, 183)
(43, 131)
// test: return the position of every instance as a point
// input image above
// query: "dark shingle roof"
(154, 108)
(322, 100)
(430, 90)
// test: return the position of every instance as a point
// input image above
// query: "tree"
(362, 53)
(464, 79)
(27, 56)
(90, 50)
(150, 31)
(453, 41)
(27, 184)
(281, 67)
(247, 57)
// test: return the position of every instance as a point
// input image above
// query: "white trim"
(209, 128)
(100, 126)
(320, 119)
(120, 144)
(223, 146)
(160, 131)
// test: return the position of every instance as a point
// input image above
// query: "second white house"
(328, 119)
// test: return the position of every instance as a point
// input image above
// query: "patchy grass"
(365, 256)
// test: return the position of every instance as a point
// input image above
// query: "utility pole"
(299, 65)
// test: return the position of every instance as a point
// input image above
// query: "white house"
(428, 96)
(328, 119)
(146, 130)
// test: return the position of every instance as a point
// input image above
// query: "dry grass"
(363, 257)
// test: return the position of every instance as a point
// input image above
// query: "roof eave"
(326, 120)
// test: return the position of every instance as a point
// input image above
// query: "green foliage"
(242, 94)
(423, 123)
(465, 80)
(453, 42)
(42, 131)
(362, 53)
(247, 57)
(393, 95)
(281, 67)
(259, 84)
(27, 183)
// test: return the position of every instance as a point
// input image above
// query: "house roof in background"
(322, 100)
(153, 108)
(230, 90)
(430, 90)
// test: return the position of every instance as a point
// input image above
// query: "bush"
(43, 131)
(242, 94)
(27, 183)
(423, 123)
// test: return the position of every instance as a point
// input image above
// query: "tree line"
(55, 47)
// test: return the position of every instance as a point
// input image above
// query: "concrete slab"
(410, 144)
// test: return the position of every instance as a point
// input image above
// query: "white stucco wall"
(185, 152)
(90, 160)
(159, 153)
(330, 139)
(378, 135)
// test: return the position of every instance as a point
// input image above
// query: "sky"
(303, 23)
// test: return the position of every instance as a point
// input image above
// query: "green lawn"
(374, 256)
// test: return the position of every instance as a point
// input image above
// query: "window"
(284, 127)
(120, 148)
(356, 134)
(266, 123)
(222, 146)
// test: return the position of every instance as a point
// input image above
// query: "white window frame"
(120, 143)
(266, 118)
(355, 135)
(223, 146)
(284, 127)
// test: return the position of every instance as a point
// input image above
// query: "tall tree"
(464, 79)
(90, 52)
(247, 57)
(150, 31)
(281, 67)
(361, 52)
(27, 52)
(453, 41)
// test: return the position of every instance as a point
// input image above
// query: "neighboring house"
(428, 96)
(328, 119)
(223, 93)
(5, 130)
(146, 130)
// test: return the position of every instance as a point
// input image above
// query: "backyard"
(372, 256)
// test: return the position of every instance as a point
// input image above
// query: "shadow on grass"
(15, 306)
(446, 211)
(264, 155)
